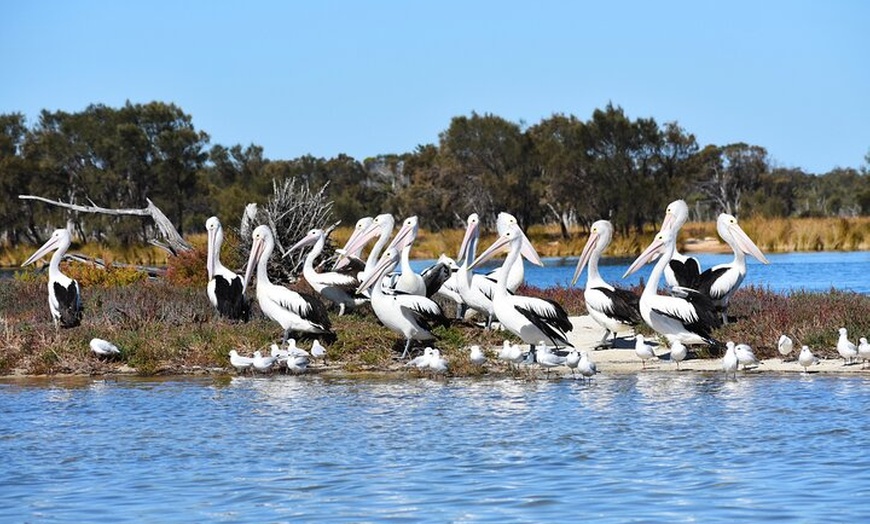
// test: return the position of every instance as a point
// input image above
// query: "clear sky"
(375, 77)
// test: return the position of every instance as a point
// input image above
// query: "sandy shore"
(622, 359)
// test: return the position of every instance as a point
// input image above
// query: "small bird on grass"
(476, 355)
(104, 348)
(263, 364)
(318, 351)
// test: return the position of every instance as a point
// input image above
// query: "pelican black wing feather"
(231, 302)
(69, 303)
(434, 276)
(687, 273)
(707, 279)
(554, 323)
(319, 316)
(626, 305)
(707, 320)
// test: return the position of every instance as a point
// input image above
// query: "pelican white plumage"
(689, 318)
(409, 315)
(682, 270)
(347, 256)
(382, 227)
(806, 358)
(643, 350)
(239, 362)
(612, 308)
(863, 350)
(294, 312)
(475, 290)
(408, 281)
(532, 319)
(476, 356)
(721, 281)
(586, 366)
(785, 345)
(225, 289)
(64, 294)
(846, 348)
(516, 274)
(745, 355)
(103, 348)
(678, 352)
(336, 287)
(729, 361)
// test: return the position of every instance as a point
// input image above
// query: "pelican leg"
(341, 309)
(460, 311)
(285, 336)
(489, 321)
(407, 347)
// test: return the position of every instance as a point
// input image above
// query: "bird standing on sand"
(745, 355)
(586, 367)
(863, 350)
(572, 360)
(784, 346)
(643, 350)
(806, 358)
(729, 361)
(846, 348)
(678, 352)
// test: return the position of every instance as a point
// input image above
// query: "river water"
(647, 447)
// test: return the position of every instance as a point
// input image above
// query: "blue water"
(648, 447)
(819, 271)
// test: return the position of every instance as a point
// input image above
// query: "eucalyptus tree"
(729, 172)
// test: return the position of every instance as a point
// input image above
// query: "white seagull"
(846, 348)
(476, 355)
(643, 350)
(64, 295)
(806, 358)
(729, 361)
(785, 345)
(678, 352)
(612, 308)
(863, 350)
(239, 362)
(261, 363)
(104, 348)
(295, 312)
(532, 319)
(545, 357)
(586, 367)
(572, 360)
(744, 354)
(317, 350)
(336, 287)
(409, 315)
(721, 281)
(690, 318)
(225, 289)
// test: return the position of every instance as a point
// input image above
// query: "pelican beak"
(648, 254)
(357, 242)
(50, 245)
(746, 244)
(307, 239)
(256, 253)
(585, 255)
(386, 263)
(668, 222)
(405, 236)
(471, 235)
(212, 253)
(528, 251)
(499, 245)
(343, 260)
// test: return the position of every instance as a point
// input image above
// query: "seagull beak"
(585, 255)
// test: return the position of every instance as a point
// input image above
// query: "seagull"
(846, 348)
(572, 360)
(546, 358)
(785, 346)
(729, 361)
(511, 353)
(476, 355)
(863, 350)
(806, 358)
(239, 362)
(643, 350)
(296, 364)
(744, 355)
(437, 363)
(104, 348)
(318, 351)
(678, 352)
(261, 363)
(422, 361)
(586, 367)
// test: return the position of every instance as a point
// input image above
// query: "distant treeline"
(560, 170)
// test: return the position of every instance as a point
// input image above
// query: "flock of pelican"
(695, 303)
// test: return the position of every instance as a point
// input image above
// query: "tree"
(729, 172)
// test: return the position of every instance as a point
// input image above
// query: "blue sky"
(367, 78)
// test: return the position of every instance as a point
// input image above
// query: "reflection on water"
(655, 447)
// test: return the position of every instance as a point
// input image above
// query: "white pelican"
(678, 352)
(475, 290)
(239, 362)
(745, 355)
(225, 289)
(613, 308)
(784, 346)
(643, 350)
(295, 312)
(531, 319)
(586, 366)
(806, 358)
(516, 275)
(846, 348)
(64, 295)
(730, 362)
(438, 274)
(382, 227)
(476, 356)
(407, 315)
(103, 348)
(682, 270)
(345, 255)
(721, 281)
(336, 287)
(689, 318)
(863, 350)
(408, 281)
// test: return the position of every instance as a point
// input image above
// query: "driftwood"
(174, 241)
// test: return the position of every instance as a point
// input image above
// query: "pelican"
(721, 281)
(846, 348)
(475, 290)
(354, 257)
(516, 275)
(103, 348)
(382, 227)
(449, 290)
(408, 281)
(785, 345)
(613, 308)
(806, 358)
(531, 319)
(436, 275)
(336, 287)
(689, 318)
(64, 295)
(682, 270)
(295, 312)
(643, 350)
(407, 315)
(225, 289)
